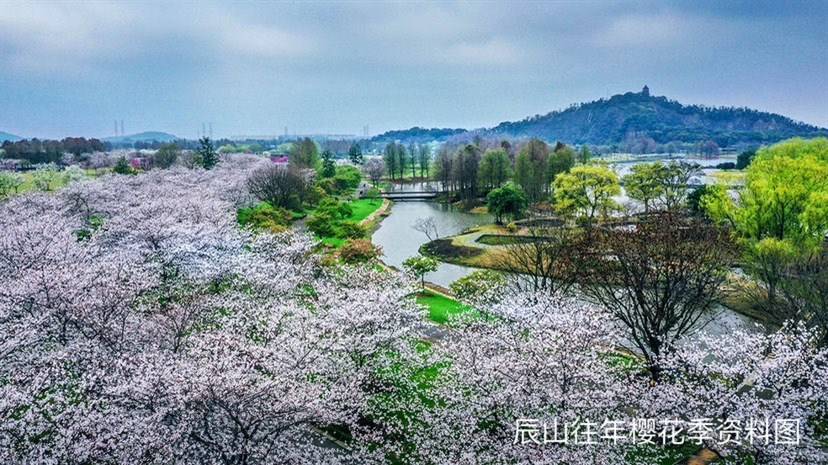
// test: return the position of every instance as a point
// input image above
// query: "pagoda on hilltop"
(645, 91)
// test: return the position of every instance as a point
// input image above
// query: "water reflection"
(399, 240)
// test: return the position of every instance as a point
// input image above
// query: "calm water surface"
(399, 240)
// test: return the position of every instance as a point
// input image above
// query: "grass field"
(360, 209)
(59, 181)
(363, 208)
(441, 308)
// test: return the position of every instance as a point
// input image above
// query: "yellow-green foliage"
(587, 191)
(785, 193)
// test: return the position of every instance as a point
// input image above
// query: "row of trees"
(399, 160)
(469, 171)
(36, 151)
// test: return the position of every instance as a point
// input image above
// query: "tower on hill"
(645, 91)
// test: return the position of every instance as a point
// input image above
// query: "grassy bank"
(440, 307)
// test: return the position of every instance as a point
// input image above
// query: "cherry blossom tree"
(143, 325)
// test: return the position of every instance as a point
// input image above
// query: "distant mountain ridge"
(614, 120)
(636, 116)
(5, 136)
(147, 136)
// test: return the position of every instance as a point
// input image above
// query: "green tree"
(584, 155)
(122, 166)
(424, 159)
(391, 159)
(328, 164)
(744, 159)
(166, 155)
(494, 169)
(355, 154)
(412, 159)
(785, 198)
(644, 183)
(207, 153)
(9, 182)
(532, 171)
(507, 200)
(466, 167)
(561, 160)
(587, 191)
(304, 154)
(419, 266)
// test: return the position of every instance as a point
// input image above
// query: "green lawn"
(58, 183)
(363, 208)
(441, 308)
(360, 209)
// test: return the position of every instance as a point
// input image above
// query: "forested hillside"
(632, 115)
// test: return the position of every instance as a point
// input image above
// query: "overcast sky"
(333, 67)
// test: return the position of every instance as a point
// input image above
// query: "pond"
(399, 240)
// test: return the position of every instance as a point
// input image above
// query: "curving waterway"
(399, 240)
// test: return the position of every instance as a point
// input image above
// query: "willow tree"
(781, 214)
(586, 192)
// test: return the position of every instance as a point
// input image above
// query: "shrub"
(337, 210)
(512, 227)
(315, 195)
(477, 284)
(166, 156)
(322, 224)
(264, 217)
(359, 251)
(351, 230)
(347, 178)
(328, 185)
(122, 166)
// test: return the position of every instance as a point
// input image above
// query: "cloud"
(45, 37)
(494, 51)
(262, 41)
(653, 30)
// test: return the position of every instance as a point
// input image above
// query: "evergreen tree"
(122, 166)
(207, 153)
(328, 164)
(355, 154)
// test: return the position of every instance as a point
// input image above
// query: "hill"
(149, 136)
(5, 136)
(417, 135)
(639, 115)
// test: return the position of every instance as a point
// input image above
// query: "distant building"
(280, 160)
(645, 91)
